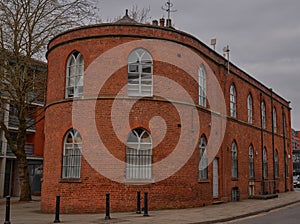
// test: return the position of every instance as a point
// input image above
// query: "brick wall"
(182, 189)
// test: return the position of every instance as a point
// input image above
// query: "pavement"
(29, 212)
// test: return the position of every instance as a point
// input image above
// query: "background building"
(296, 152)
(254, 155)
(34, 148)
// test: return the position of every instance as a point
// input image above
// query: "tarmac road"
(286, 215)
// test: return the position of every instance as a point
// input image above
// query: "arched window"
(263, 114)
(140, 73)
(72, 155)
(203, 163)
(286, 164)
(75, 74)
(232, 101)
(274, 120)
(265, 163)
(276, 164)
(139, 155)
(234, 160)
(202, 85)
(250, 109)
(251, 162)
(284, 123)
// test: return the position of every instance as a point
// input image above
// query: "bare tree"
(26, 26)
(137, 14)
(140, 15)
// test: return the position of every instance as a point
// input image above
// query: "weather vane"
(168, 9)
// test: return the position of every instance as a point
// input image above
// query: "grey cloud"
(264, 35)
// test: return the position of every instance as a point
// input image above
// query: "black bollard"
(107, 215)
(57, 209)
(7, 214)
(146, 204)
(138, 202)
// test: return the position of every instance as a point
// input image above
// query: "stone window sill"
(139, 181)
(70, 180)
(203, 181)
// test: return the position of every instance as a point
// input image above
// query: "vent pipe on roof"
(162, 22)
(155, 23)
(169, 23)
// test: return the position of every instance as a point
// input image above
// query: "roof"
(126, 19)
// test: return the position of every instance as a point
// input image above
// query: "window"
(140, 73)
(235, 194)
(72, 155)
(139, 155)
(202, 85)
(203, 163)
(286, 164)
(234, 160)
(75, 73)
(232, 101)
(276, 164)
(251, 162)
(274, 120)
(265, 163)
(284, 124)
(263, 114)
(250, 109)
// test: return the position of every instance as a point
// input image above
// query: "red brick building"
(147, 107)
(34, 143)
(296, 152)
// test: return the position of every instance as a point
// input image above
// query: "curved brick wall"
(183, 189)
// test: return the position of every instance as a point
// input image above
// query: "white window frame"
(140, 79)
(263, 114)
(72, 153)
(250, 108)
(75, 75)
(251, 161)
(232, 101)
(139, 155)
(234, 160)
(276, 164)
(265, 163)
(203, 161)
(274, 120)
(202, 85)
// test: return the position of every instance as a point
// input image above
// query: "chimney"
(162, 22)
(155, 23)
(169, 23)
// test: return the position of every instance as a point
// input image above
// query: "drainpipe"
(273, 147)
(262, 147)
(284, 146)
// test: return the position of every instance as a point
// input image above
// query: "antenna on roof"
(168, 9)
(226, 50)
(213, 43)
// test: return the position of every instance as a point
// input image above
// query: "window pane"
(234, 160)
(72, 155)
(134, 68)
(132, 137)
(140, 72)
(202, 85)
(75, 73)
(139, 155)
(147, 69)
(203, 163)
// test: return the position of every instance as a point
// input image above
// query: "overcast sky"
(263, 35)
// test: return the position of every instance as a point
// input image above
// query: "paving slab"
(29, 212)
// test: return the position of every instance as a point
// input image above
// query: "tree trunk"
(25, 192)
